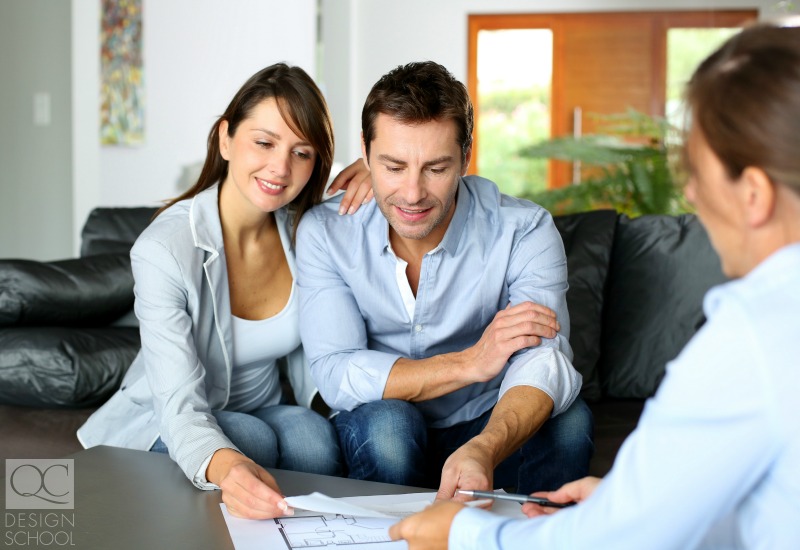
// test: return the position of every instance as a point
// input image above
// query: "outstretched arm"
(177, 381)
(516, 417)
(540, 380)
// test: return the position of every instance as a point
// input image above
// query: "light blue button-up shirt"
(356, 321)
(715, 459)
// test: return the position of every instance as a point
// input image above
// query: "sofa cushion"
(63, 367)
(661, 266)
(83, 291)
(114, 230)
(588, 238)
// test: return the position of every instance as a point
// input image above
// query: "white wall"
(35, 159)
(385, 33)
(338, 74)
(85, 114)
(197, 53)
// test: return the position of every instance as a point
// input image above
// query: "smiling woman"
(215, 300)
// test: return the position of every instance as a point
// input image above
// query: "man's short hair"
(416, 93)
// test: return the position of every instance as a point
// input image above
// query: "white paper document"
(317, 502)
(321, 521)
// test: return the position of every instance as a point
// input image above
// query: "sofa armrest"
(56, 367)
(86, 291)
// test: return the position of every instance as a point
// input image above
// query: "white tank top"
(256, 346)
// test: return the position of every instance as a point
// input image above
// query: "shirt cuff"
(199, 480)
(365, 378)
(475, 529)
(548, 370)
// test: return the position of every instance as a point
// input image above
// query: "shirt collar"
(773, 271)
(204, 219)
(452, 236)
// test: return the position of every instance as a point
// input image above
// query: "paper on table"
(314, 529)
(317, 502)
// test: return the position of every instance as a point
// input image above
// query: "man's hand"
(429, 529)
(512, 329)
(248, 490)
(575, 491)
(357, 183)
(470, 467)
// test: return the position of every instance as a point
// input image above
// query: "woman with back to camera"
(715, 459)
(215, 300)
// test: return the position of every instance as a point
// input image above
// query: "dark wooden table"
(138, 500)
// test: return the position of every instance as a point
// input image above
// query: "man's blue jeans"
(281, 436)
(389, 441)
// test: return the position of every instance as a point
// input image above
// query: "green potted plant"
(626, 166)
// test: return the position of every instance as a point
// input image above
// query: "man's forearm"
(517, 416)
(512, 329)
(423, 379)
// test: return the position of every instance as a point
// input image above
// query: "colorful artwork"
(121, 81)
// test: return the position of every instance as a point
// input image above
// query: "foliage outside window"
(511, 119)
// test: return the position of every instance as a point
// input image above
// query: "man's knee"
(383, 441)
(570, 434)
(574, 427)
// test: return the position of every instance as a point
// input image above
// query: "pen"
(516, 498)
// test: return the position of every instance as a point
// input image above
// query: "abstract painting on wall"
(121, 75)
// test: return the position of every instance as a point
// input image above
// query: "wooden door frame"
(490, 22)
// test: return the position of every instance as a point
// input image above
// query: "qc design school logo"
(37, 484)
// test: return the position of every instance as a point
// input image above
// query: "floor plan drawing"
(332, 530)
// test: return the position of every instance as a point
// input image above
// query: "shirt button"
(418, 328)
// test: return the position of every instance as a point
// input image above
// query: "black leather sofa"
(636, 288)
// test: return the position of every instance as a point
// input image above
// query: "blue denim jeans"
(389, 441)
(281, 436)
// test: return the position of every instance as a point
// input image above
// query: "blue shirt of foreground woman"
(714, 460)
(214, 286)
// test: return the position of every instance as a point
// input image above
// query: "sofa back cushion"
(661, 266)
(588, 238)
(114, 230)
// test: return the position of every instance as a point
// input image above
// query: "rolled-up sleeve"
(546, 369)
(537, 273)
(332, 328)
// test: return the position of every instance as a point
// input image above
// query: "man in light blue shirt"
(715, 460)
(440, 327)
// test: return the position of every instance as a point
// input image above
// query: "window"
(514, 102)
(600, 63)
